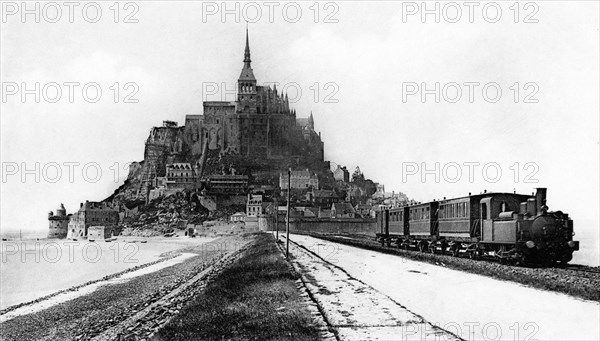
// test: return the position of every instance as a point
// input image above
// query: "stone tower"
(247, 94)
(58, 223)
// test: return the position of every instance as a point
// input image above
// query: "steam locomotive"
(514, 228)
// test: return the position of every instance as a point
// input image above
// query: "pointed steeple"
(247, 74)
(311, 121)
(247, 60)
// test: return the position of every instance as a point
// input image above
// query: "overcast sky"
(367, 62)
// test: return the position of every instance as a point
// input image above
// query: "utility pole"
(287, 219)
(277, 219)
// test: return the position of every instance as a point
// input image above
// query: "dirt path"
(473, 307)
(355, 310)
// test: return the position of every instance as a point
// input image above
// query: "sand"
(33, 269)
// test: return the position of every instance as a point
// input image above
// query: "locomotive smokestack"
(540, 199)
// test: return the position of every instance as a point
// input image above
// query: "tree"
(358, 177)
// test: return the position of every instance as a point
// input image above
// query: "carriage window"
(483, 211)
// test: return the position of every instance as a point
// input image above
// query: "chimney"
(540, 199)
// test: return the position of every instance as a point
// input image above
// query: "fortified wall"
(325, 225)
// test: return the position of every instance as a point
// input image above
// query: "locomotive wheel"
(432, 250)
(455, 252)
(406, 246)
(421, 247)
(519, 261)
(474, 255)
(443, 246)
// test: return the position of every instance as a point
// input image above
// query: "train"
(514, 228)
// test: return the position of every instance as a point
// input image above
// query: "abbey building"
(260, 123)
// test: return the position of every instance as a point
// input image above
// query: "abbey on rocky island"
(259, 124)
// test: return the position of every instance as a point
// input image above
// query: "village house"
(301, 179)
(180, 175)
(341, 174)
(91, 213)
(356, 195)
(254, 206)
(342, 210)
(363, 210)
(322, 198)
(324, 213)
(102, 232)
(237, 217)
(228, 184)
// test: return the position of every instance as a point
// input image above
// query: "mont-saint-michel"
(299, 171)
(231, 162)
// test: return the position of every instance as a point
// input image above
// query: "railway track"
(583, 268)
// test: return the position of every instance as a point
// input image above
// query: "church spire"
(247, 91)
(247, 76)
(247, 60)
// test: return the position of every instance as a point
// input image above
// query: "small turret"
(286, 104)
(61, 211)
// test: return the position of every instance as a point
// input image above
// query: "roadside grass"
(254, 299)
